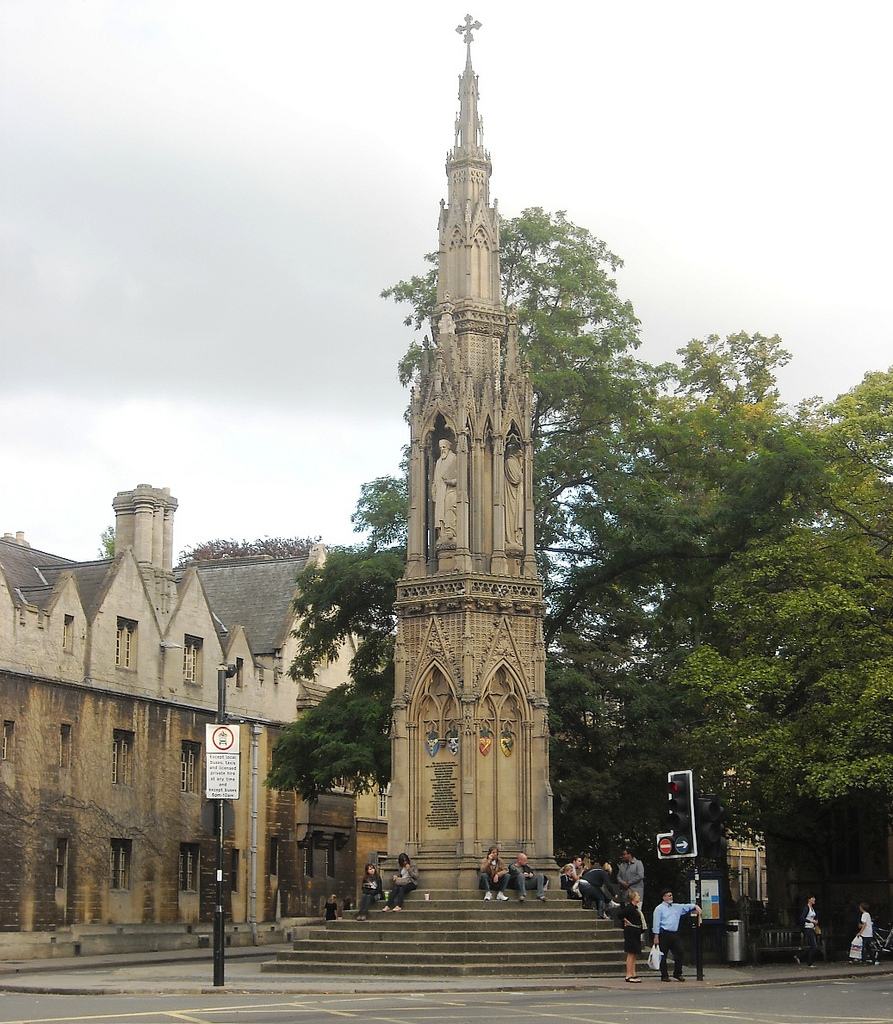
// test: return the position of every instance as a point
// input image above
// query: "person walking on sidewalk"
(665, 925)
(866, 933)
(809, 923)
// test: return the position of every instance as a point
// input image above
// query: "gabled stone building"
(108, 676)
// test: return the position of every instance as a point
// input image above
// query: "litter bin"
(736, 942)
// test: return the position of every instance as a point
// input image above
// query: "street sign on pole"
(222, 784)
(664, 844)
(222, 762)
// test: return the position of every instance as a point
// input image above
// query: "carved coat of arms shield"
(485, 740)
(432, 742)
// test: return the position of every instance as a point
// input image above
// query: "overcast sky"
(202, 199)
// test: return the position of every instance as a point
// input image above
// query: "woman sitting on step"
(406, 879)
(371, 891)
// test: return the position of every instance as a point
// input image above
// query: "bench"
(774, 942)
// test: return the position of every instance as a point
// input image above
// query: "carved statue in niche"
(446, 326)
(443, 490)
(514, 497)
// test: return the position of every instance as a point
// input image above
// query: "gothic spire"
(469, 130)
(469, 232)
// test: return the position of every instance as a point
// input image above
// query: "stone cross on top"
(465, 30)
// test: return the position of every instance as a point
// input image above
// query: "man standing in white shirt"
(665, 925)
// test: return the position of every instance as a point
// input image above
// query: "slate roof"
(255, 593)
(31, 573)
(91, 579)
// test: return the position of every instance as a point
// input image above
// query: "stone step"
(459, 934)
(473, 945)
(556, 903)
(521, 911)
(429, 926)
(521, 917)
(553, 895)
(445, 965)
(556, 906)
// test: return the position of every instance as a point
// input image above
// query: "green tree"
(571, 321)
(107, 543)
(347, 602)
(270, 547)
(794, 684)
(655, 485)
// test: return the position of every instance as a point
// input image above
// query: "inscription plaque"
(444, 810)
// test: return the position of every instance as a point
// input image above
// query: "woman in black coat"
(633, 925)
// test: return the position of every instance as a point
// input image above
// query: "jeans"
(590, 892)
(366, 901)
(398, 892)
(812, 946)
(523, 883)
(499, 886)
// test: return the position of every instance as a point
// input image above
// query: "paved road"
(863, 1000)
(178, 987)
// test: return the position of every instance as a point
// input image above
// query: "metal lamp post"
(224, 672)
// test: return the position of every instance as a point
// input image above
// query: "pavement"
(192, 972)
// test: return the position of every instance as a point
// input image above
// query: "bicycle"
(882, 942)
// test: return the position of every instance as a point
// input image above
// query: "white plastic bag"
(856, 948)
(654, 958)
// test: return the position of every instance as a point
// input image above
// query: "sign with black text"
(222, 762)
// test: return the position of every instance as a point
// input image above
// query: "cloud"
(203, 201)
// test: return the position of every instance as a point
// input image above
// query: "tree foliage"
(716, 564)
(794, 684)
(107, 543)
(270, 547)
(347, 603)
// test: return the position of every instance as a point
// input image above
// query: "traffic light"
(681, 814)
(710, 814)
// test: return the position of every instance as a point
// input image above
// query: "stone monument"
(470, 738)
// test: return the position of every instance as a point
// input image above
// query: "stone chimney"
(144, 522)
(18, 539)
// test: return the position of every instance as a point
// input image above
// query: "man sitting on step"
(523, 877)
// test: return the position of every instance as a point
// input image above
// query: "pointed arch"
(503, 698)
(435, 702)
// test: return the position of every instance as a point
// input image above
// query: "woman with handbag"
(633, 925)
(406, 879)
(809, 924)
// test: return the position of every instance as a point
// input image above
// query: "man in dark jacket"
(595, 887)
